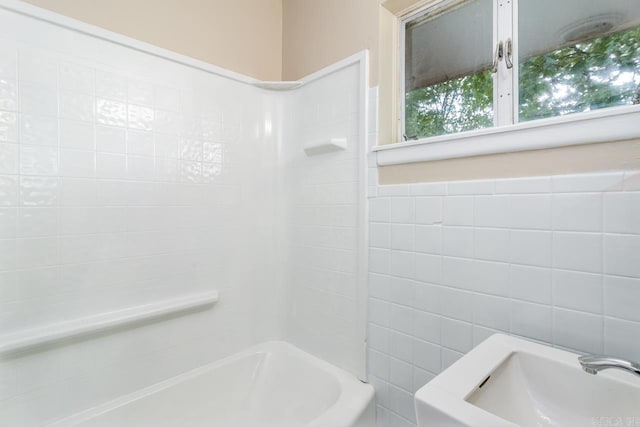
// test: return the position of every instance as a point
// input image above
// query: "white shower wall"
(126, 179)
(131, 175)
(323, 218)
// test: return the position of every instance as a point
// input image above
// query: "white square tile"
(456, 335)
(38, 160)
(427, 298)
(577, 290)
(428, 268)
(401, 291)
(76, 135)
(427, 356)
(456, 304)
(528, 185)
(531, 320)
(38, 130)
(579, 331)
(37, 221)
(401, 374)
(530, 247)
(491, 211)
(530, 283)
(458, 210)
(111, 85)
(401, 346)
(8, 95)
(401, 402)
(428, 189)
(616, 338)
(428, 210)
(621, 212)
(420, 378)
(402, 236)
(577, 251)
(8, 224)
(609, 181)
(378, 339)
(577, 212)
(9, 159)
(470, 187)
(77, 106)
(37, 99)
(8, 127)
(490, 277)
(111, 139)
(427, 327)
(402, 318)
(492, 312)
(379, 235)
(142, 144)
(621, 255)
(378, 312)
(457, 272)
(491, 244)
(620, 296)
(402, 264)
(77, 77)
(9, 190)
(77, 163)
(393, 190)
(110, 112)
(530, 212)
(458, 241)
(402, 210)
(111, 165)
(379, 210)
(449, 357)
(38, 191)
(378, 364)
(428, 239)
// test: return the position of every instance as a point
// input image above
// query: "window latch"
(498, 57)
(509, 55)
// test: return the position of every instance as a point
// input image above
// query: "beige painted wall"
(317, 33)
(241, 35)
(620, 155)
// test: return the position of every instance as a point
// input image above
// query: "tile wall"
(554, 259)
(126, 179)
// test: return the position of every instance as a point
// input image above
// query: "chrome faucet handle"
(592, 364)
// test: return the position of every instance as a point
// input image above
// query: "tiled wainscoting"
(554, 259)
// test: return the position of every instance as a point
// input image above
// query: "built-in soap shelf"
(52, 333)
(322, 146)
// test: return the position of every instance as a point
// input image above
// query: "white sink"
(507, 381)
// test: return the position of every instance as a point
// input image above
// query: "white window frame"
(604, 125)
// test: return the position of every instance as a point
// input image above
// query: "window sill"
(606, 125)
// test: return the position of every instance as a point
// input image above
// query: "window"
(476, 64)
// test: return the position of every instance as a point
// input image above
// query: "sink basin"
(507, 381)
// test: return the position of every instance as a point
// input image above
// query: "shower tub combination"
(270, 385)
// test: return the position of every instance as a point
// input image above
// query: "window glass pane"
(577, 55)
(448, 80)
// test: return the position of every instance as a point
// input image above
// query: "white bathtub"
(270, 385)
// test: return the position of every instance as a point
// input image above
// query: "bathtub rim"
(354, 399)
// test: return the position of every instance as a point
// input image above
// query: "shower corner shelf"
(48, 334)
(276, 85)
(328, 145)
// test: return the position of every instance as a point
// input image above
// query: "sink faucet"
(593, 364)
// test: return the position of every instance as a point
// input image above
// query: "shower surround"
(132, 178)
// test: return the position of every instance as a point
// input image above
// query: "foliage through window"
(582, 57)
